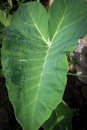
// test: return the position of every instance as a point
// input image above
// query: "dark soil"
(76, 97)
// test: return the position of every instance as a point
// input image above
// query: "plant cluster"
(33, 56)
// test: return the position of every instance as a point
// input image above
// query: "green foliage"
(4, 19)
(1, 31)
(60, 119)
(34, 57)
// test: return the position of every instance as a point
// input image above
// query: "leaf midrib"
(38, 89)
(42, 73)
(36, 97)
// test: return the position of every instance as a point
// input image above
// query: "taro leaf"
(60, 118)
(34, 57)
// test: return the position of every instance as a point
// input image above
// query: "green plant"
(34, 57)
(4, 19)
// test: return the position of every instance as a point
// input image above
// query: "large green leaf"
(61, 118)
(34, 57)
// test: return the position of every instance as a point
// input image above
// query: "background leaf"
(34, 57)
(61, 118)
(5, 20)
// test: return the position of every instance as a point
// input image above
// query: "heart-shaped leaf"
(34, 57)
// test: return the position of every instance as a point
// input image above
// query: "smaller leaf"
(10, 3)
(60, 118)
(4, 19)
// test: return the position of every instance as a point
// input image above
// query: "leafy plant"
(4, 19)
(60, 119)
(34, 57)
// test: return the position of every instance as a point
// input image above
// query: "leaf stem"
(83, 76)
